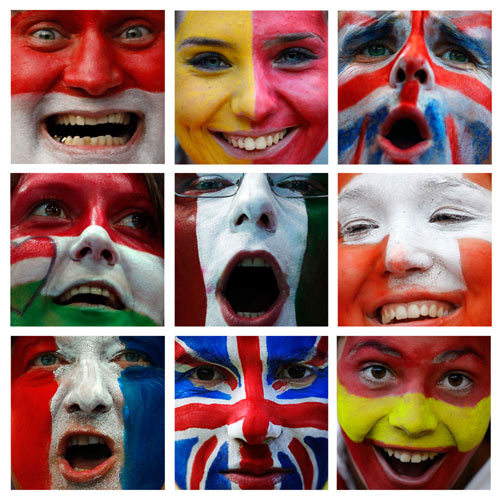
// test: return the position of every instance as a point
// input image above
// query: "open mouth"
(252, 289)
(112, 129)
(410, 463)
(91, 294)
(255, 143)
(421, 310)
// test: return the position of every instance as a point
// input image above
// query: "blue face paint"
(143, 388)
(481, 139)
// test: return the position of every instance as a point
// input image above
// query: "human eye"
(138, 220)
(357, 229)
(294, 56)
(296, 375)
(49, 360)
(207, 185)
(46, 35)
(131, 358)
(376, 375)
(456, 382)
(456, 56)
(209, 61)
(49, 208)
(298, 186)
(135, 36)
(450, 215)
(207, 376)
(375, 50)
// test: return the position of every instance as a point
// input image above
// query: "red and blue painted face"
(415, 87)
(88, 412)
(251, 87)
(88, 86)
(86, 249)
(251, 412)
(251, 249)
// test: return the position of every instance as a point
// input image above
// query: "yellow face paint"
(214, 81)
(412, 420)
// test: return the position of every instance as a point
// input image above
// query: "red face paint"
(291, 81)
(87, 53)
(32, 390)
(66, 204)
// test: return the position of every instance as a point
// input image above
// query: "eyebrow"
(449, 182)
(455, 354)
(197, 41)
(290, 38)
(385, 349)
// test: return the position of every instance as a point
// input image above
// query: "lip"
(247, 480)
(96, 473)
(256, 154)
(408, 155)
(98, 284)
(270, 317)
(136, 137)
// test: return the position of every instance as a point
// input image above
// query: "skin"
(105, 229)
(88, 63)
(424, 250)
(433, 67)
(256, 85)
(262, 424)
(415, 395)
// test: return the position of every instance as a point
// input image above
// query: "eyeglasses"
(227, 185)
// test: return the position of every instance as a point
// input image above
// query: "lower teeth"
(250, 314)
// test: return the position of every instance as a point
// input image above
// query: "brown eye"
(376, 376)
(456, 382)
(205, 373)
(378, 372)
(49, 209)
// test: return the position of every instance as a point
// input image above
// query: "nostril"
(240, 220)
(265, 220)
(400, 75)
(83, 252)
(73, 408)
(421, 76)
(100, 409)
(106, 254)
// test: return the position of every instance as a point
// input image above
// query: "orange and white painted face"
(415, 250)
(251, 87)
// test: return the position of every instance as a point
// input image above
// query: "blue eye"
(47, 34)
(209, 61)
(136, 32)
(295, 56)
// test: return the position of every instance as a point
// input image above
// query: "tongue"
(86, 463)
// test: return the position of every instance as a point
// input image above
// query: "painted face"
(86, 249)
(88, 412)
(415, 250)
(88, 86)
(413, 409)
(415, 87)
(251, 87)
(251, 413)
(256, 257)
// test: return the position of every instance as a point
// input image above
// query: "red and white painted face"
(251, 87)
(88, 86)
(91, 240)
(413, 410)
(415, 87)
(414, 249)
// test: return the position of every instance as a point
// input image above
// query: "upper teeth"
(251, 143)
(85, 289)
(84, 439)
(253, 262)
(406, 456)
(123, 118)
(413, 310)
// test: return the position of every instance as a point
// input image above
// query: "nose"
(92, 67)
(412, 68)
(254, 206)
(87, 393)
(405, 254)
(95, 243)
(413, 415)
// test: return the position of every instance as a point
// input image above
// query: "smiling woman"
(251, 87)
(87, 249)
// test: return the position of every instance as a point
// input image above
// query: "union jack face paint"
(251, 249)
(86, 249)
(414, 250)
(251, 87)
(88, 412)
(87, 86)
(251, 412)
(414, 87)
(413, 410)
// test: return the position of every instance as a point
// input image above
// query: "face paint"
(413, 409)
(251, 413)
(88, 87)
(251, 87)
(90, 404)
(255, 258)
(415, 87)
(415, 249)
(86, 249)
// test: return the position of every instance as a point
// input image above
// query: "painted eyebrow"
(455, 354)
(197, 41)
(290, 38)
(385, 349)
(449, 182)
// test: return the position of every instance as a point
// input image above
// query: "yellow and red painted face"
(251, 87)
(413, 410)
(415, 249)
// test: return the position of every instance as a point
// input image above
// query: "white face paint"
(31, 142)
(88, 401)
(423, 216)
(254, 220)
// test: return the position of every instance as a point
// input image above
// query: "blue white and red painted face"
(95, 410)
(251, 412)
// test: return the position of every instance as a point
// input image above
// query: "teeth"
(250, 314)
(253, 262)
(414, 310)
(100, 140)
(406, 456)
(94, 290)
(259, 143)
(84, 440)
